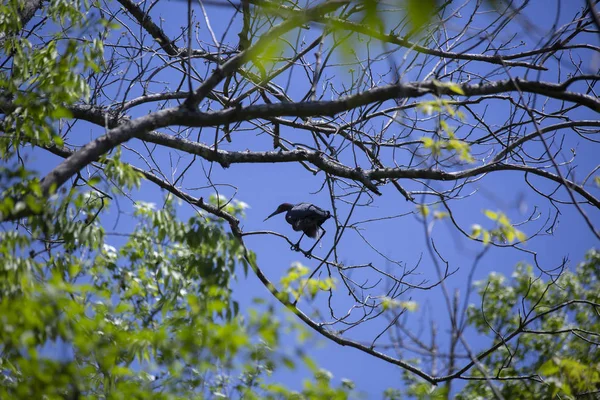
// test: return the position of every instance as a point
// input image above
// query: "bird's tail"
(314, 232)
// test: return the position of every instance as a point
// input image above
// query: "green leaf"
(440, 214)
(486, 237)
(491, 214)
(34, 204)
(420, 12)
(423, 209)
(510, 235)
(445, 127)
(427, 142)
(455, 88)
(58, 140)
(310, 364)
(410, 305)
(61, 112)
(440, 393)
(503, 220)
(476, 230)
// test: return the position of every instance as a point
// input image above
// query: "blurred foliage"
(445, 138)
(146, 313)
(558, 352)
(388, 303)
(504, 232)
(44, 78)
(425, 211)
(38, 82)
(121, 174)
(565, 358)
(297, 284)
(153, 317)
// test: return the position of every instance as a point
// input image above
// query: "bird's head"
(282, 208)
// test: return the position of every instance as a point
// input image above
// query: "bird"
(304, 217)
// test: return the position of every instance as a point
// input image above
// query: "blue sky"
(265, 186)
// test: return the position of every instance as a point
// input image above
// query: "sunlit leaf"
(423, 209)
(455, 88)
(491, 214)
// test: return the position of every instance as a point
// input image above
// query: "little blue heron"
(304, 217)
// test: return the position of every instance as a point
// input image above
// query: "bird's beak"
(275, 213)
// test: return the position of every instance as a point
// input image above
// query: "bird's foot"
(295, 247)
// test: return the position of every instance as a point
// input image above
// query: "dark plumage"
(304, 217)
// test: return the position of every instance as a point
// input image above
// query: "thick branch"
(102, 145)
(346, 103)
(180, 116)
(226, 158)
(400, 91)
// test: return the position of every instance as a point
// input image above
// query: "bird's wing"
(305, 210)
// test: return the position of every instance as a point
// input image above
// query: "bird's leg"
(296, 247)
(309, 253)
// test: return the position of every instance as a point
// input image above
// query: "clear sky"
(399, 235)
